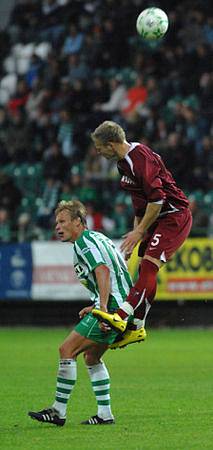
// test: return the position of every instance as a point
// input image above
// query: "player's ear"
(78, 220)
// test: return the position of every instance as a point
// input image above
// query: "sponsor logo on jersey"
(127, 180)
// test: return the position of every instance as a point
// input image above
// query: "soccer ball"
(152, 23)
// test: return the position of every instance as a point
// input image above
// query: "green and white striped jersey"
(93, 249)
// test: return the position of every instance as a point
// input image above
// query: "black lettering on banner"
(192, 259)
(208, 259)
(177, 262)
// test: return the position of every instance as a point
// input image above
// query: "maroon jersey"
(146, 178)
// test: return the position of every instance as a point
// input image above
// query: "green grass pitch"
(162, 393)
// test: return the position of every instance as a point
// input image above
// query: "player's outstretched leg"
(50, 415)
(129, 337)
(114, 320)
(138, 302)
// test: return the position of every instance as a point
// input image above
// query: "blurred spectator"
(48, 203)
(25, 228)
(51, 73)
(94, 217)
(204, 163)
(65, 134)
(34, 70)
(99, 90)
(4, 155)
(25, 21)
(35, 99)
(5, 226)
(113, 50)
(120, 219)
(89, 51)
(96, 220)
(135, 96)
(200, 218)
(19, 137)
(206, 100)
(80, 188)
(49, 7)
(66, 192)
(154, 95)
(208, 30)
(55, 164)
(116, 99)
(160, 136)
(180, 158)
(10, 195)
(191, 33)
(76, 68)
(62, 100)
(80, 98)
(95, 166)
(19, 99)
(4, 125)
(73, 42)
(210, 226)
(52, 27)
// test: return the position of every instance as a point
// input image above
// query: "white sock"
(100, 380)
(139, 323)
(66, 378)
(127, 308)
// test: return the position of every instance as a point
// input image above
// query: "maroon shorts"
(166, 235)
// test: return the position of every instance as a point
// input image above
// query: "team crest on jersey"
(82, 274)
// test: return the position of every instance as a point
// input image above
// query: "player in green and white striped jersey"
(101, 268)
(93, 249)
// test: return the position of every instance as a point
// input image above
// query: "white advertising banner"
(54, 277)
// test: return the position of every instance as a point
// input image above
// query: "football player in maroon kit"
(162, 217)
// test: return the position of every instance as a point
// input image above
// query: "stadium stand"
(67, 65)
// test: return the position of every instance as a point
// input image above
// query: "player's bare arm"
(133, 237)
(137, 220)
(103, 280)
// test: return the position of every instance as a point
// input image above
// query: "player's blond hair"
(74, 207)
(109, 131)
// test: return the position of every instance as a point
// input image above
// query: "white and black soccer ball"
(152, 23)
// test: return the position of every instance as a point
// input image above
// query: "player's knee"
(65, 351)
(62, 350)
(90, 358)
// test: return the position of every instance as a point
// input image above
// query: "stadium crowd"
(67, 65)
